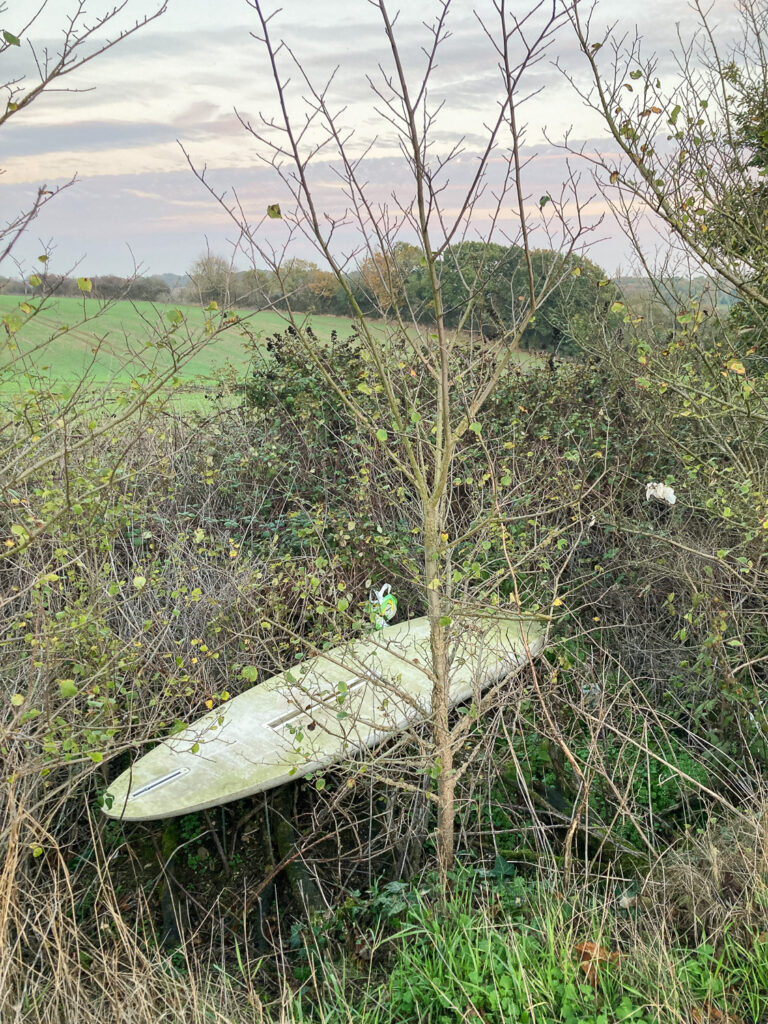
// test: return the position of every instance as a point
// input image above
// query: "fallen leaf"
(707, 1013)
(590, 955)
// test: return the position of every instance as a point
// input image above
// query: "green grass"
(107, 340)
(519, 953)
(69, 341)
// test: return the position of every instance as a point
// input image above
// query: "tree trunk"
(440, 700)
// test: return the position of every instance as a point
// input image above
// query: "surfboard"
(324, 710)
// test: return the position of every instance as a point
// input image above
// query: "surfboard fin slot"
(318, 705)
(156, 783)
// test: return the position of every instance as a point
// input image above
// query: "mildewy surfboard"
(324, 710)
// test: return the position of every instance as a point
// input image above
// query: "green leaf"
(67, 688)
(365, 389)
(543, 201)
(96, 756)
(42, 259)
(85, 284)
(212, 306)
(319, 784)
(139, 582)
(11, 39)
(674, 115)
(342, 604)
(617, 307)
(250, 673)
(506, 480)
(273, 211)
(445, 621)
(475, 427)
(381, 435)
(35, 280)
(37, 851)
(175, 316)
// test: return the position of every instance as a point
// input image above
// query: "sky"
(187, 80)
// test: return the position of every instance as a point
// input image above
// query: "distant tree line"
(482, 285)
(105, 286)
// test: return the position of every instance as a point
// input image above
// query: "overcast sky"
(180, 79)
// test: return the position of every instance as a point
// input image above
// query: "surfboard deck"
(323, 710)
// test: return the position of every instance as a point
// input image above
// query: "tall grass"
(513, 952)
(498, 950)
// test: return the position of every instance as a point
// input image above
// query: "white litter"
(661, 492)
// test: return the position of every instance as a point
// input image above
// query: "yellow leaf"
(736, 366)
(557, 602)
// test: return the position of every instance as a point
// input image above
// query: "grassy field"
(109, 340)
(109, 343)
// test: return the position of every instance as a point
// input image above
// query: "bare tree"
(689, 140)
(424, 387)
(211, 275)
(82, 41)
